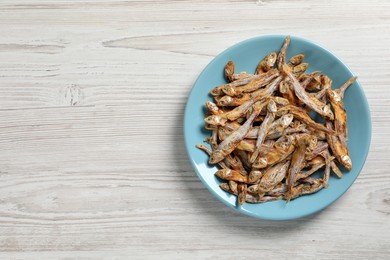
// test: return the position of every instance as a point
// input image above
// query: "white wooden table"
(92, 160)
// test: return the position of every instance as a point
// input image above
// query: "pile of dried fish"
(262, 137)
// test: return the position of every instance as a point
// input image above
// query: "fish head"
(283, 87)
(253, 188)
(233, 186)
(297, 59)
(325, 80)
(287, 120)
(271, 59)
(271, 106)
(229, 68)
(223, 173)
(281, 101)
(317, 82)
(328, 112)
(334, 95)
(260, 163)
(224, 186)
(216, 157)
(224, 101)
(282, 146)
(214, 120)
(300, 68)
(254, 175)
(212, 106)
(311, 142)
(229, 90)
(347, 162)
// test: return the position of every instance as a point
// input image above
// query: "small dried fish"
(313, 103)
(241, 75)
(215, 120)
(300, 69)
(231, 175)
(280, 102)
(266, 64)
(340, 120)
(214, 139)
(296, 60)
(339, 150)
(229, 70)
(336, 169)
(257, 199)
(315, 161)
(304, 189)
(254, 85)
(312, 170)
(307, 80)
(344, 87)
(244, 158)
(288, 94)
(242, 192)
(213, 108)
(272, 176)
(298, 157)
(321, 146)
(239, 111)
(225, 186)
(279, 190)
(217, 91)
(247, 145)
(254, 176)
(274, 155)
(241, 82)
(301, 115)
(310, 81)
(283, 87)
(278, 127)
(326, 83)
(209, 152)
(263, 130)
(233, 186)
(268, 90)
(235, 164)
(301, 129)
(252, 134)
(328, 160)
(230, 143)
(282, 53)
(249, 197)
(256, 96)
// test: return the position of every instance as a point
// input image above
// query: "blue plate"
(246, 55)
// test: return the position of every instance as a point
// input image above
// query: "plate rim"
(194, 166)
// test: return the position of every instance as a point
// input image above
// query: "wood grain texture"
(92, 159)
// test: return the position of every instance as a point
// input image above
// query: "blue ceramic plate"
(246, 56)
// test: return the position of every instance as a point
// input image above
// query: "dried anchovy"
(229, 70)
(263, 130)
(282, 53)
(254, 85)
(230, 143)
(319, 107)
(267, 63)
(296, 60)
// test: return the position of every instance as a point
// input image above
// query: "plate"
(246, 55)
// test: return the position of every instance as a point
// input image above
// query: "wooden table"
(92, 159)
